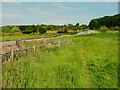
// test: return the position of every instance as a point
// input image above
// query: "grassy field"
(90, 62)
(49, 33)
(19, 37)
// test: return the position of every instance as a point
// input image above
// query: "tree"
(94, 24)
(14, 30)
(49, 27)
(41, 30)
(77, 24)
(7, 29)
(76, 27)
(34, 29)
(22, 28)
(70, 26)
(28, 30)
(108, 21)
(83, 26)
(56, 27)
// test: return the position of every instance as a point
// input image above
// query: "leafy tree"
(70, 26)
(22, 28)
(14, 30)
(83, 26)
(108, 21)
(6, 29)
(77, 24)
(94, 24)
(34, 29)
(76, 27)
(41, 30)
(28, 30)
(49, 27)
(56, 27)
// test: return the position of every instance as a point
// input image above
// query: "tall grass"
(90, 62)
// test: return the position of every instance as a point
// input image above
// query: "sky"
(24, 13)
(59, 0)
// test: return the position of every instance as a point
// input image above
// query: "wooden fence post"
(49, 42)
(12, 55)
(58, 43)
(34, 49)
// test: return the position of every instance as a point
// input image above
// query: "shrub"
(15, 30)
(103, 29)
(51, 32)
(62, 30)
(116, 28)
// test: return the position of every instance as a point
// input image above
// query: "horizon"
(55, 13)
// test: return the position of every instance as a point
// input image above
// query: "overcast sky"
(17, 13)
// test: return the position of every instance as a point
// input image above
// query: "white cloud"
(11, 16)
(14, 3)
(61, 6)
(38, 11)
(9, 0)
(60, 0)
(106, 0)
(49, 0)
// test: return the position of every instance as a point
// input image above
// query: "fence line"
(19, 52)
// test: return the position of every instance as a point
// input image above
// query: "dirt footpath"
(10, 45)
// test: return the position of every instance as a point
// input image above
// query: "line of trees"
(27, 29)
(108, 21)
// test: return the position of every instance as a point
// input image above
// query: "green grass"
(90, 62)
(19, 37)
(32, 43)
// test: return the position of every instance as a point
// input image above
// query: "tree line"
(27, 29)
(108, 21)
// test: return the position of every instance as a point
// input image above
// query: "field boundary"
(19, 52)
